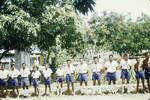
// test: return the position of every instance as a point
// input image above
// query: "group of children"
(67, 74)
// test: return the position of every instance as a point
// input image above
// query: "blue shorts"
(125, 74)
(147, 74)
(111, 76)
(14, 82)
(3, 82)
(60, 79)
(25, 81)
(35, 82)
(69, 78)
(96, 76)
(83, 77)
(139, 75)
(47, 81)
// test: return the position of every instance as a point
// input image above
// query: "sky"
(125, 7)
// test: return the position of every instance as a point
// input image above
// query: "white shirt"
(36, 74)
(125, 64)
(97, 67)
(69, 70)
(4, 74)
(60, 72)
(14, 73)
(36, 62)
(47, 73)
(111, 66)
(25, 72)
(82, 68)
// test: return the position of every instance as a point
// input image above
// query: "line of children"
(142, 71)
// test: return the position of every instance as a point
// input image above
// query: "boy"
(47, 78)
(25, 72)
(70, 71)
(83, 70)
(3, 80)
(139, 74)
(146, 67)
(60, 79)
(111, 67)
(125, 73)
(13, 74)
(97, 71)
(35, 79)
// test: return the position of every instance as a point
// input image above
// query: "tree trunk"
(22, 57)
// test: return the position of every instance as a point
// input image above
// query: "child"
(3, 80)
(111, 67)
(13, 74)
(83, 70)
(25, 72)
(35, 79)
(47, 78)
(125, 67)
(60, 79)
(146, 67)
(97, 71)
(139, 74)
(70, 71)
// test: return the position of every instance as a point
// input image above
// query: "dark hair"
(125, 55)
(146, 54)
(12, 65)
(68, 60)
(95, 57)
(23, 63)
(110, 55)
(81, 58)
(137, 58)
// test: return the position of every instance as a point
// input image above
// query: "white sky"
(134, 7)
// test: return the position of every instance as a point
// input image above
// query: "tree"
(22, 22)
(17, 29)
(120, 34)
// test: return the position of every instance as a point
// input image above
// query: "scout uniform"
(96, 69)
(83, 69)
(47, 76)
(3, 78)
(111, 70)
(25, 77)
(13, 74)
(60, 75)
(35, 75)
(139, 72)
(69, 71)
(125, 66)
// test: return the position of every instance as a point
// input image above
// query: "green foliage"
(17, 29)
(40, 22)
(120, 34)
